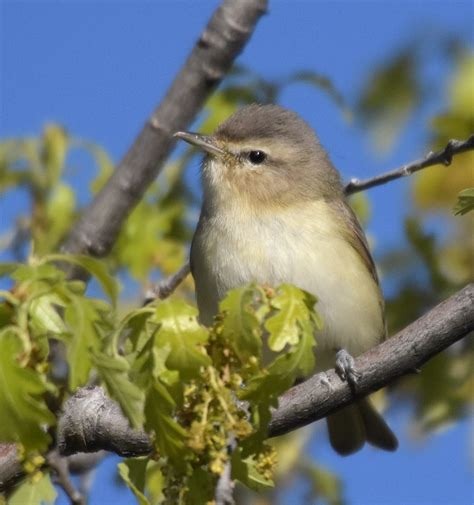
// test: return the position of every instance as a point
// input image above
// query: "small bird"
(274, 212)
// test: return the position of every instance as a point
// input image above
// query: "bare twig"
(93, 421)
(166, 287)
(60, 468)
(444, 157)
(229, 29)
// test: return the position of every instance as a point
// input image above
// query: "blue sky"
(99, 68)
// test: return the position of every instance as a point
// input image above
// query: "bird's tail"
(352, 426)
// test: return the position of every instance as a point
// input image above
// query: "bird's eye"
(257, 157)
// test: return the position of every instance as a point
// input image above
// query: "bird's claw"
(345, 368)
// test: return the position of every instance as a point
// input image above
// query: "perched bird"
(274, 212)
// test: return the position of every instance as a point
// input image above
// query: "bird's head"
(265, 156)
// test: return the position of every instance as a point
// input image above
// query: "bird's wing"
(356, 237)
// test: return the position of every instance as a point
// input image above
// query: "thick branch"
(408, 350)
(223, 39)
(92, 421)
(444, 157)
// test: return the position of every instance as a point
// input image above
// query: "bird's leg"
(345, 367)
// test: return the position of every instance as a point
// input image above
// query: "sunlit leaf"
(293, 306)
(133, 472)
(23, 411)
(180, 329)
(114, 371)
(55, 145)
(465, 202)
(38, 490)
(170, 436)
(95, 267)
(241, 323)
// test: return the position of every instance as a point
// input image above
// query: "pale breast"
(299, 246)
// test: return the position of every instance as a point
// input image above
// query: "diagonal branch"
(443, 157)
(228, 30)
(93, 421)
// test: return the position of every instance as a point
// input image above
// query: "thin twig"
(444, 157)
(166, 287)
(60, 467)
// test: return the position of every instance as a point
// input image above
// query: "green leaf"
(133, 472)
(170, 436)
(325, 484)
(34, 492)
(465, 202)
(293, 305)
(60, 215)
(95, 267)
(55, 145)
(23, 411)
(84, 319)
(398, 78)
(8, 268)
(241, 324)
(201, 487)
(244, 470)
(30, 273)
(44, 316)
(325, 84)
(113, 370)
(180, 329)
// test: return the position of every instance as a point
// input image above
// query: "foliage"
(179, 380)
(205, 394)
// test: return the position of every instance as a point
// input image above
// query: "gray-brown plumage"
(274, 212)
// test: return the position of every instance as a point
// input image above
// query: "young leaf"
(44, 316)
(465, 202)
(84, 319)
(113, 370)
(241, 323)
(133, 472)
(34, 492)
(180, 329)
(293, 306)
(24, 413)
(170, 436)
(95, 267)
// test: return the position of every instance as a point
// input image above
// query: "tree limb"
(166, 287)
(92, 421)
(444, 157)
(62, 477)
(227, 32)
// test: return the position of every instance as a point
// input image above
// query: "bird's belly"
(279, 252)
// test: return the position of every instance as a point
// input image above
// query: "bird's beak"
(204, 142)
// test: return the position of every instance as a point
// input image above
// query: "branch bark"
(92, 421)
(444, 157)
(223, 39)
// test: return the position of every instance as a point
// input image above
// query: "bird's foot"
(345, 368)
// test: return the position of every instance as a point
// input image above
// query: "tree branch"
(409, 349)
(92, 421)
(227, 32)
(62, 477)
(445, 157)
(166, 287)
